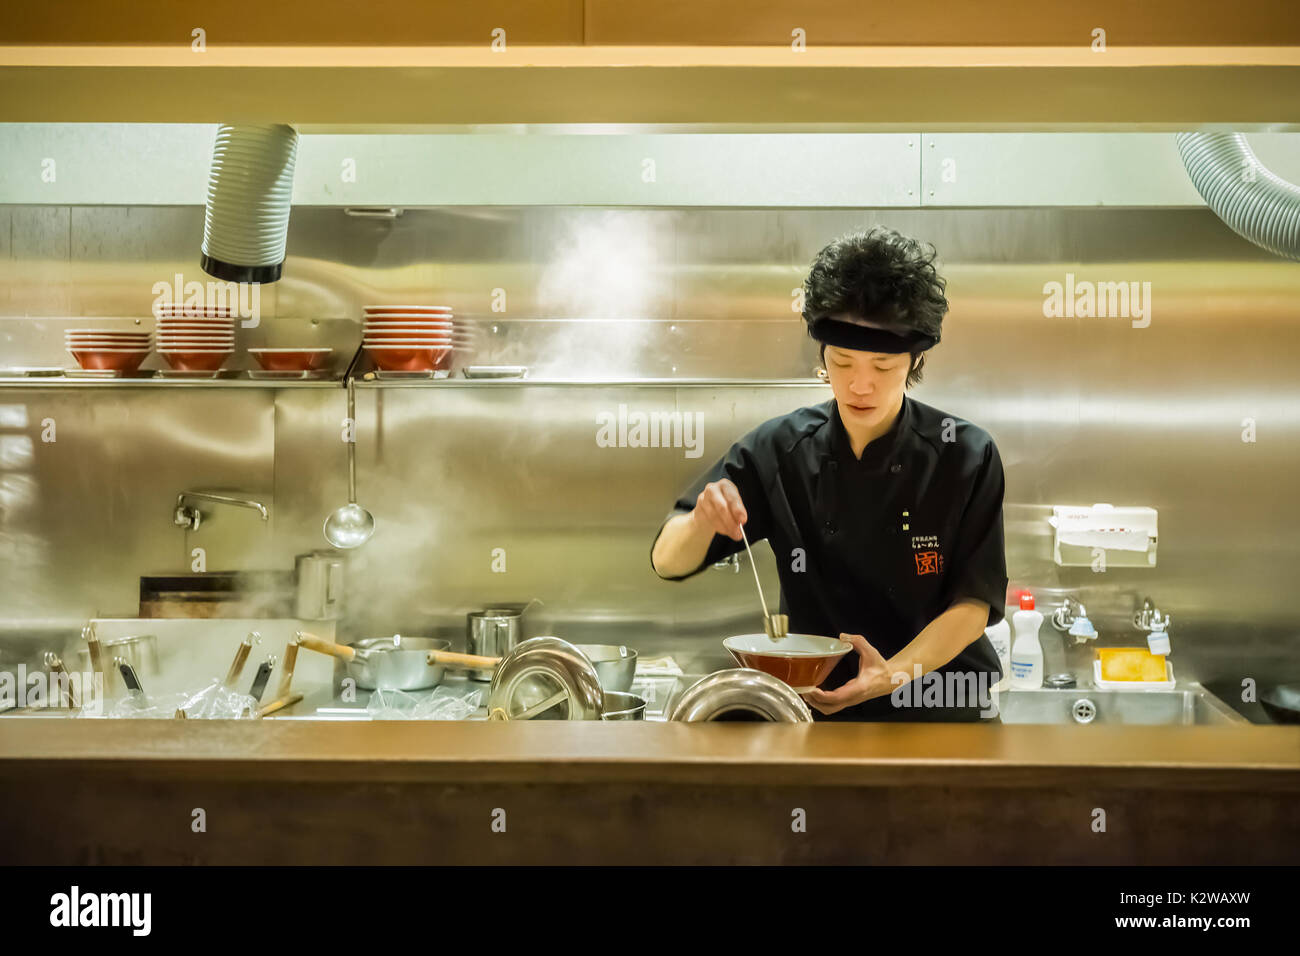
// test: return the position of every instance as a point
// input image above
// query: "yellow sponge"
(1131, 663)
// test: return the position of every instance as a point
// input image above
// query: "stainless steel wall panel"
(1084, 409)
(91, 511)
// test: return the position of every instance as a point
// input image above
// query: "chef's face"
(868, 386)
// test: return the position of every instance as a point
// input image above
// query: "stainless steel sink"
(1190, 705)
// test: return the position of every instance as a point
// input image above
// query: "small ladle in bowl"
(776, 625)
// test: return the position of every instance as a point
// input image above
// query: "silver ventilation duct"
(250, 190)
(1253, 202)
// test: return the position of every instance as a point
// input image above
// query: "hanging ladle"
(351, 525)
(776, 625)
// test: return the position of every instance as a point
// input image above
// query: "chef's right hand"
(719, 509)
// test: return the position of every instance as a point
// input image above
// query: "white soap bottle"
(999, 636)
(1026, 652)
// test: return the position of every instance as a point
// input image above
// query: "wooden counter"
(429, 792)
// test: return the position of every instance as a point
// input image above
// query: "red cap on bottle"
(1026, 601)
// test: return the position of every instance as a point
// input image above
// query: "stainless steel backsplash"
(596, 301)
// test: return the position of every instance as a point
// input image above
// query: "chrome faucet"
(1072, 617)
(1069, 612)
(1150, 619)
(186, 516)
(1155, 624)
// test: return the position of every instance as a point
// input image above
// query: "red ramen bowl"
(119, 360)
(801, 660)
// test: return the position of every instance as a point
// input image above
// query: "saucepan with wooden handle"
(393, 663)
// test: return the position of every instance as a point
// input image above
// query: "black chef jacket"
(877, 546)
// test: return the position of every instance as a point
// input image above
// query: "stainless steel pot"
(494, 632)
(741, 693)
(392, 663)
(615, 664)
(545, 678)
(621, 706)
(140, 651)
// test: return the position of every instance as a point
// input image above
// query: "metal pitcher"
(494, 632)
(320, 586)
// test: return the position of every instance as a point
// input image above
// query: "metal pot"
(741, 694)
(615, 664)
(140, 651)
(391, 663)
(494, 632)
(621, 706)
(545, 678)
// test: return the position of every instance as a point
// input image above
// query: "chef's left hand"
(872, 680)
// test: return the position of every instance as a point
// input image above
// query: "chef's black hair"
(881, 276)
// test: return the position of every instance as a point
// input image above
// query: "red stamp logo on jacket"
(926, 554)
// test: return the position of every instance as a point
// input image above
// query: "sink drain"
(1084, 711)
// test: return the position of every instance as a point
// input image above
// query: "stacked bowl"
(409, 338)
(105, 350)
(195, 338)
(465, 338)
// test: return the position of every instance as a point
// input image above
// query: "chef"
(885, 514)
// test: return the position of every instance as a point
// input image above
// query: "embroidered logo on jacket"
(925, 549)
(926, 553)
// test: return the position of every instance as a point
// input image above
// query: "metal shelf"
(61, 381)
(68, 383)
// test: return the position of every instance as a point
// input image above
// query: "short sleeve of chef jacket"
(979, 562)
(739, 465)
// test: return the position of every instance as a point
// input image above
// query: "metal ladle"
(351, 525)
(776, 625)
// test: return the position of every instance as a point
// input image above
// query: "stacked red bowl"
(103, 349)
(195, 338)
(409, 338)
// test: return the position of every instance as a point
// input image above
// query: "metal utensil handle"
(767, 618)
(128, 676)
(352, 445)
(352, 422)
(259, 680)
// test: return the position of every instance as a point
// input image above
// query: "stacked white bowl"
(409, 338)
(195, 338)
(106, 349)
